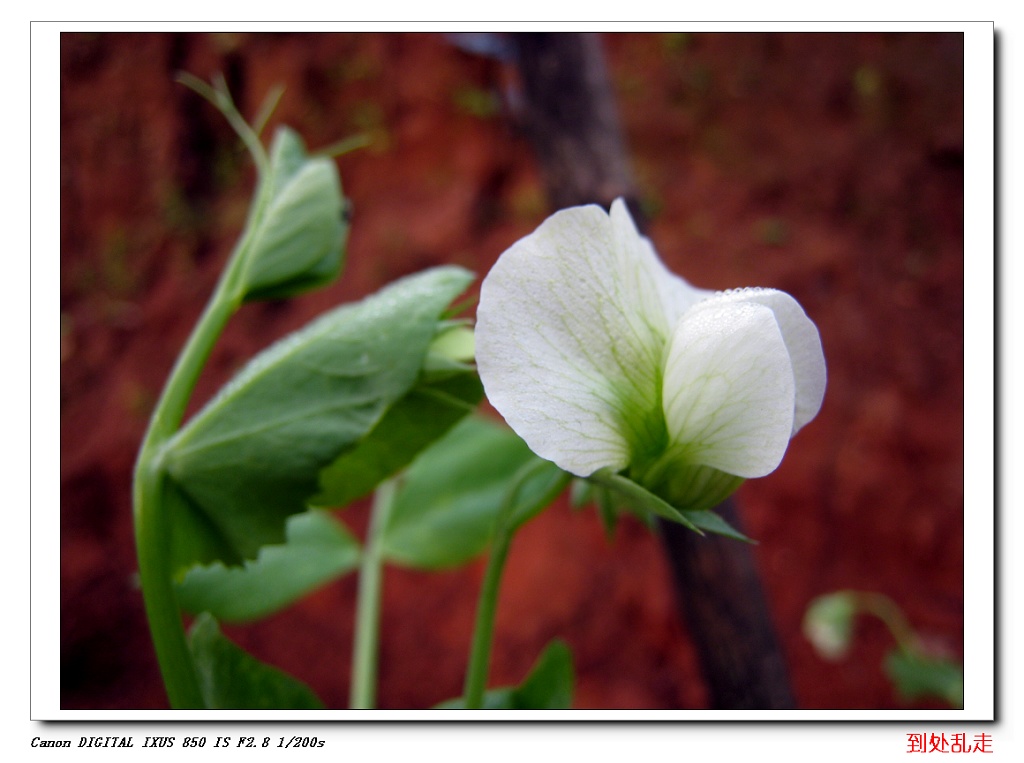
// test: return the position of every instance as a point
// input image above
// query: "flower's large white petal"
(802, 342)
(676, 295)
(570, 334)
(729, 388)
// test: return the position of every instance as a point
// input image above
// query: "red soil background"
(826, 165)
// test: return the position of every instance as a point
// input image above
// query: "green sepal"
(607, 512)
(608, 504)
(639, 498)
(295, 236)
(582, 494)
(713, 523)
(548, 686)
(253, 455)
(232, 679)
(318, 550)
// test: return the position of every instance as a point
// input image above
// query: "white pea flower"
(601, 359)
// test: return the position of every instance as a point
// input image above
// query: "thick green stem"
(152, 531)
(365, 646)
(152, 522)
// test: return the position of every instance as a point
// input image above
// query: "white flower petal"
(676, 295)
(729, 388)
(802, 342)
(570, 333)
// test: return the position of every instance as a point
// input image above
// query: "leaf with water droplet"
(254, 454)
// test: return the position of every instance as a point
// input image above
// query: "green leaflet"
(423, 415)
(549, 684)
(318, 550)
(445, 509)
(294, 239)
(547, 687)
(232, 679)
(253, 455)
(194, 536)
(916, 675)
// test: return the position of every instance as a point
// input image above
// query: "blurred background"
(826, 165)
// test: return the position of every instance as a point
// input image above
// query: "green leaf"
(547, 687)
(549, 684)
(294, 239)
(828, 623)
(415, 421)
(318, 549)
(232, 679)
(253, 456)
(495, 699)
(916, 675)
(445, 509)
(638, 497)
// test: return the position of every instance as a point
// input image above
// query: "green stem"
(220, 98)
(152, 522)
(170, 409)
(505, 527)
(152, 531)
(150, 512)
(886, 610)
(365, 646)
(483, 632)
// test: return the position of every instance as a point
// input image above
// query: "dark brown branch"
(571, 118)
(722, 602)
